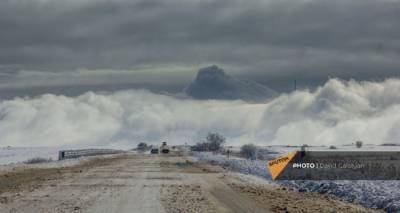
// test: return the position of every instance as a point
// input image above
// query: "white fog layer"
(340, 112)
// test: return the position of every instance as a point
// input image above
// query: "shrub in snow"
(199, 147)
(359, 144)
(249, 151)
(142, 147)
(38, 160)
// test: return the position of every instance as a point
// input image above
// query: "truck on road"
(164, 148)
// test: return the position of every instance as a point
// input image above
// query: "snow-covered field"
(12, 158)
(373, 194)
(10, 155)
(279, 150)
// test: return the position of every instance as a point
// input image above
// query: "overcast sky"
(161, 43)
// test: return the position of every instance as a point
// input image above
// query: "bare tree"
(332, 147)
(215, 141)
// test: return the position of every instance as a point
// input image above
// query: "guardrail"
(68, 154)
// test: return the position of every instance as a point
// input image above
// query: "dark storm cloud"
(270, 41)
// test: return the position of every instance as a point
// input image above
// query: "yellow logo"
(276, 166)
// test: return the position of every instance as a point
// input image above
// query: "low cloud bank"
(340, 112)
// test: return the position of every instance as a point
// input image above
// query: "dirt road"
(152, 183)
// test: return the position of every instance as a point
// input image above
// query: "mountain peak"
(213, 70)
(213, 83)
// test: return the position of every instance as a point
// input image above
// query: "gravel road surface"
(152, 183)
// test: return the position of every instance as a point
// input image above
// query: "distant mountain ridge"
(213, 83)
